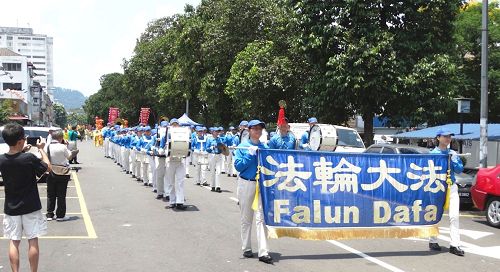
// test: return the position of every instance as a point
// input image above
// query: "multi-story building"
(36, 47)
(31, 104)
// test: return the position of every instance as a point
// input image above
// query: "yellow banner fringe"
(354, 233)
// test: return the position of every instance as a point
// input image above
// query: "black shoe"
(197, 183)
(172, 206)
(434, 247)
(222, 172)
(234, 175)
(167, 198)
(180, 207)
(457, 251)
(266, 259)
(187, 175)
(155, 191)
(248, 254)
(133, 176)
(150, 184)
(213, 189)
(228, 175)
(218, 190)
(204, 184)
(159, 197)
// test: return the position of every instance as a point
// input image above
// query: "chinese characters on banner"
(114, 113)
(345, 195)
(144, 116)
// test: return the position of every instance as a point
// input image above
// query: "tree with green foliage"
(60, 115)
(6, 110)
(371, 56)
(467, 35)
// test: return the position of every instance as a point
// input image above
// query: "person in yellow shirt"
(66, 134)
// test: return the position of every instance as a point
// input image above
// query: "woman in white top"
(57, 185)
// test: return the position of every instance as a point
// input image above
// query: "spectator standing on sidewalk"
(57, 182)
(22, 205)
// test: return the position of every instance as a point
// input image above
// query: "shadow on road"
(277, 257)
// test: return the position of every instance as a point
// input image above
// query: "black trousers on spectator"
(57, 187)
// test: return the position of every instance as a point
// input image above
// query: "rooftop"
(8, 52)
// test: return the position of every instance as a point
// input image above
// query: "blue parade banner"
(326, 195)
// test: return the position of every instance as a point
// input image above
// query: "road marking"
(40, 186)
(466, 215)
(367, 257)
(44, 197)
(493, 252)
(83, 206)
(474, 234)
(234, 199)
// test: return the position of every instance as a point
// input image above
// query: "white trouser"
(131, 159)
(152, 171)
(187, 163)
(176, 172)
(215, 166)
(200, 168)
(230, 165)
(137, 164)
(160, 175)
(144, 168)
(125, 157)
(106, 147)
(246, 195)
(453, 213)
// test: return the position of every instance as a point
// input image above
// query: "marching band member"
(176, 172)
(189, 158)
(304, 140)
(444, 139)
(105, 134)
(133, 152)
(245, 162)
(126, 150)
(222, 165)
(199, 145)
(215, 159)
(151, 158)
(283, 140)
(231, 135)
(146, 138)
(161, 178)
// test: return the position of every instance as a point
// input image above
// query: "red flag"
(281, 113)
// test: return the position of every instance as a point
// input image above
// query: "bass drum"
(179, 142)
(244, 135)
(323, 138)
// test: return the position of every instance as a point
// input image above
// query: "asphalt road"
(117, 225)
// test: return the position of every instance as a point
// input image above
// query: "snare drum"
(178, 146)
(323, 137)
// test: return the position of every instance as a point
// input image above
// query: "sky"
(91, 37)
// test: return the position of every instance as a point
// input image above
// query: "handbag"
(58, 170)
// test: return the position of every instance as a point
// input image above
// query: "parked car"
(486, 194)
(464, 180)
(396, 149)
(32, 133)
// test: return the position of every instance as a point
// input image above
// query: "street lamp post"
(463, 108)
(483, 141)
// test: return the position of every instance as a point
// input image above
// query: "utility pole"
(187, 107)
(483, 142)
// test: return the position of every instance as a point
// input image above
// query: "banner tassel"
(448, 189)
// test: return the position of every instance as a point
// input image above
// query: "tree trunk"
(368, 128)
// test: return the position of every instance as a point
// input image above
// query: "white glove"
(252, 151)
(305, 146)
(161, 151)
(454, 157)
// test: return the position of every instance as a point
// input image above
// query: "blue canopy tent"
(184, 120)
(470, 132)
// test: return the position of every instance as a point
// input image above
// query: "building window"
(12, 86)
(35, 100)
(9, 38)
(40, 69)
(23, 38)
(39, 39)
(43, 63)
(12, 67)
(38, 57)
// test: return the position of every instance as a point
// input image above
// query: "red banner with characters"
(144, 116)
(114, 113)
